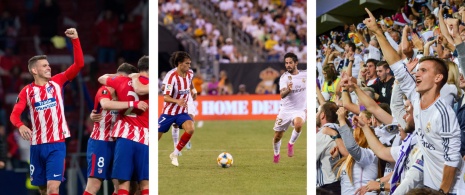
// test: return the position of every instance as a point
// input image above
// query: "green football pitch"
(253, 171)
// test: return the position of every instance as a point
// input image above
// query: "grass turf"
(253, 171)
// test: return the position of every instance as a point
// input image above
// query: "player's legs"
(55, 165)
(123, 186)
(297, 122)
(187, 124)
(43, 190)
(99, 159)
(175, 134)
(93, 185)
(115, 185)
(144, 187)
(134, 187)
(282, 123)
(278, 135)
(123, 164)
(189, 144)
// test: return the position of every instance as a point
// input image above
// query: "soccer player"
(190, 108)
(44, 97)
(176, 93)
(131, 130)
(437, 129)
(293, 105)
(100, 147)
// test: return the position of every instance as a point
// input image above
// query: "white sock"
(176, 151)
(175, 134)
(294, 136)
(276, 147)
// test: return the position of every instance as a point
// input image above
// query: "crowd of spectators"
(276, 27)
(355, 74)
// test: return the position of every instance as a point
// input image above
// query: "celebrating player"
(49, 126)
(176, 92)
(131, 130)
(293, 105)
(100, 147)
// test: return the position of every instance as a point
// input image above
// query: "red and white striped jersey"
(132, 124)
(102, 129)
(177, 87)
(46, 104)
(47, 111)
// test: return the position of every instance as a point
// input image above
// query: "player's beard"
(292, 69)
(410, 128)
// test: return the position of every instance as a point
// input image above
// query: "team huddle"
(118, 146)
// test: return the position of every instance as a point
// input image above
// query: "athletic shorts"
(165, 121)
(284, 119)
(47, 163)
(131, 161)
(100, 158)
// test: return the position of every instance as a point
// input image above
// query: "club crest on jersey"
(46, 104)
(104, 92)
(50, 89)
(303, 80)
(129, 83)
(100, 170)
(428, 127)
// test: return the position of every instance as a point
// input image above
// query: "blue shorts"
(100, 158)
(47, 163)
(165, 121)
(131, 161)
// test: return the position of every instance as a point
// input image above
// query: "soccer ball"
(225, 160)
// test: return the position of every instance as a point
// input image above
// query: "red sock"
(183, 141)
(86, 193)
(144, 192)
(123, 192)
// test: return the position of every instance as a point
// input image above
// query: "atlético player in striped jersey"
(100, 147)
(176, 92)
(49, 127)
(131, 130)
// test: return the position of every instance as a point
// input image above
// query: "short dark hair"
(143, 64)
(292, 56)
(384, 64)
(375, 62)
(352, 45)
(34, 59)
(177, 57)
(330, 108)
(127, 68)
(440, 68)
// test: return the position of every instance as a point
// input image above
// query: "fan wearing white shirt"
(361, 165)
(437, 129)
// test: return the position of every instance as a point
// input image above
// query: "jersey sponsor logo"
(46, 104)
(428, 146)
(183, 92)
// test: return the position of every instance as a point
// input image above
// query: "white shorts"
(284, 119)
(191, 109)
